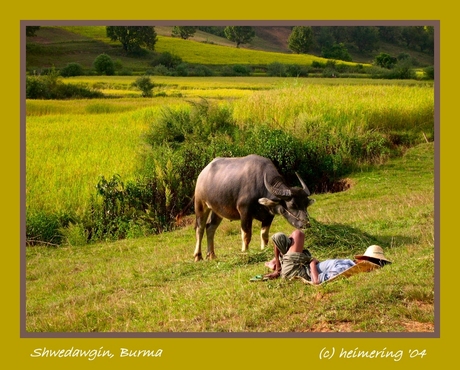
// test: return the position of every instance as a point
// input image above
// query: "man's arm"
(314, 271)
(277, 272)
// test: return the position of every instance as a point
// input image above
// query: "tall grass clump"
(401, 115)
(50, 86)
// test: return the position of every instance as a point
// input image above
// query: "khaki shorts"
(295, 264)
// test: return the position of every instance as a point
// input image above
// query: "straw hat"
(374, 251)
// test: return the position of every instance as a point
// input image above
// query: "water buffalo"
(245, 188)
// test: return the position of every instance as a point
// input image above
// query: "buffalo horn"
(278, 187)
(304, 186)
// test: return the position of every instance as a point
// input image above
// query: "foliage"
(366, 38)
(145, 85)
(43, 228)
(385, 60)
(374, 121)
(301, 39)
(132, 38)
(104, 65)
(276, 69)
(72, 70)
(236, 70)
(184, 32)
(214, 30)
(429, 72)
(336, 51)
(201, 70)
(239, 34)
(295, 70)
(167, 59)
(31, 31)
(51, 87)
(182, 69)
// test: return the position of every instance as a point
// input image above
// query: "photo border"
(437, 322)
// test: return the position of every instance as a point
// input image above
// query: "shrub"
(71, 70)
(429, 72)
(145, 85)
(202, 71)
(276, 69)
(104, 65)
(403, 70)
(36, 88)
(236, 70)
(294, 70)
(125, 72)
(385, 61)
(167, 59)
(337, 51)
(160, 70)
(317, 65)
(42, 227)
(48, 87)
(182, 70)
(241, 70)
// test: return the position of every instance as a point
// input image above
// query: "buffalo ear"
(267, 202)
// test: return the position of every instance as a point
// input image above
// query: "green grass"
(58, 46)
(71, 143)
(152, 284)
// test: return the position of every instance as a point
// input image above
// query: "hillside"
(58, 46)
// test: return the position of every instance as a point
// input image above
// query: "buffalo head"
(289, 202)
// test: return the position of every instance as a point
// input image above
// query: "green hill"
(58, 46)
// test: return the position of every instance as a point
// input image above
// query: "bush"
(125, 72)
(182, 70)
(71, 70)
(104, 65)
(294, 70)
(337, 51)
(202, 71)
(145, 85)
(317, 65)
(385, 61)
(167, 59)
(43, 227)
(429, 73)
(236, 70)
(49, 87)
(276, 69)
(241, 70)
(37, 88)
(160, 70)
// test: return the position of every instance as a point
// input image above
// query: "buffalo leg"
(246, 233)
(202, 213)
(211, 228)
(264, 232)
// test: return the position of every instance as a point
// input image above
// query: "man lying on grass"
(292, 260)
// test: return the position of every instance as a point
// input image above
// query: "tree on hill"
(418, 36)
(184, 32)
(239, 34)
(365, 38)
(301, 39)
(132, 38)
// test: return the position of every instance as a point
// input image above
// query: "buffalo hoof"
(211, 256)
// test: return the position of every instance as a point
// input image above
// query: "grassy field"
(71, 143)
(152, 284)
